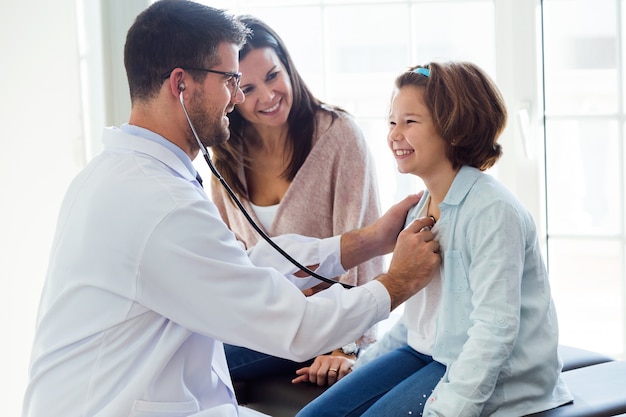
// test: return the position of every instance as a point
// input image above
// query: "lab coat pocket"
(163, 409)
(455, 278)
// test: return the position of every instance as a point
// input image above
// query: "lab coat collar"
(116, 138)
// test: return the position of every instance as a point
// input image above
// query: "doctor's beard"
(209, 125)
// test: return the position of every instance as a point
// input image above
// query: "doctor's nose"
(239, 97)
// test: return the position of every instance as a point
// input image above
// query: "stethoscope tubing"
(231, 193)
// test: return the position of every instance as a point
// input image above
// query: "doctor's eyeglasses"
(234, 78)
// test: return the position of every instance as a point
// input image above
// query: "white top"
(145, 282)
(265, 214)
(421, 310)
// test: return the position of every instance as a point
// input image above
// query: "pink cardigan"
(334, 191)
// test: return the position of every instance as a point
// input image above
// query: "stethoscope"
(256, 227)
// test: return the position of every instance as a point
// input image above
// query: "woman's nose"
(265, 94)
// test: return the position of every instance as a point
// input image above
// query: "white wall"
(41, 150)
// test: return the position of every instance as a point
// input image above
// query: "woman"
(299, 166)
(481, 339)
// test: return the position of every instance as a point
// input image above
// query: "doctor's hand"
(415, 259)
(325, 370)
(378, 238)
(389, 225)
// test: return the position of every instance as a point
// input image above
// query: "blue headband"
(424, 71)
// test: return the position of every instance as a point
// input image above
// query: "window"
(349, 53)
(584, 122)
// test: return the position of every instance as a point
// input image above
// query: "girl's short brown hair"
(466, 107)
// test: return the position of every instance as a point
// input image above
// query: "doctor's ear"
(176, 81)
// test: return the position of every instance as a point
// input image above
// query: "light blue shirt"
(497, 330)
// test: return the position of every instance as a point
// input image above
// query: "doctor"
(145, 281)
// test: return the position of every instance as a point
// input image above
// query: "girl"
(481, 339)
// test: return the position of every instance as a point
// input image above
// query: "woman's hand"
(326, 369)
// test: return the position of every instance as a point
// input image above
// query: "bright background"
(63, 80)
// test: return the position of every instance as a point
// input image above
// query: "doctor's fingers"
(414, 252)
(420, 224)
(414, 236)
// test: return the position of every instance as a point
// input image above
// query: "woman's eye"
(272, 76)
(247, 90)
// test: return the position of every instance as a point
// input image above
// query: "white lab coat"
(145, 282)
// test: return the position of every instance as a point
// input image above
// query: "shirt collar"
(461, 186)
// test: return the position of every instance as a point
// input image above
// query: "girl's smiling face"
(416, 145)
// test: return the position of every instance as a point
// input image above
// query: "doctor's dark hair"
(175, 33)
(301, 120)
(466, 107)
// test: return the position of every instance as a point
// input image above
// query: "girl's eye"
(247, 90)
(271, 76)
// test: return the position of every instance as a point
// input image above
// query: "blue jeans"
(397, 383)
(245, 364)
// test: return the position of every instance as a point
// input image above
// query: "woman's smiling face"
(267, 88)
